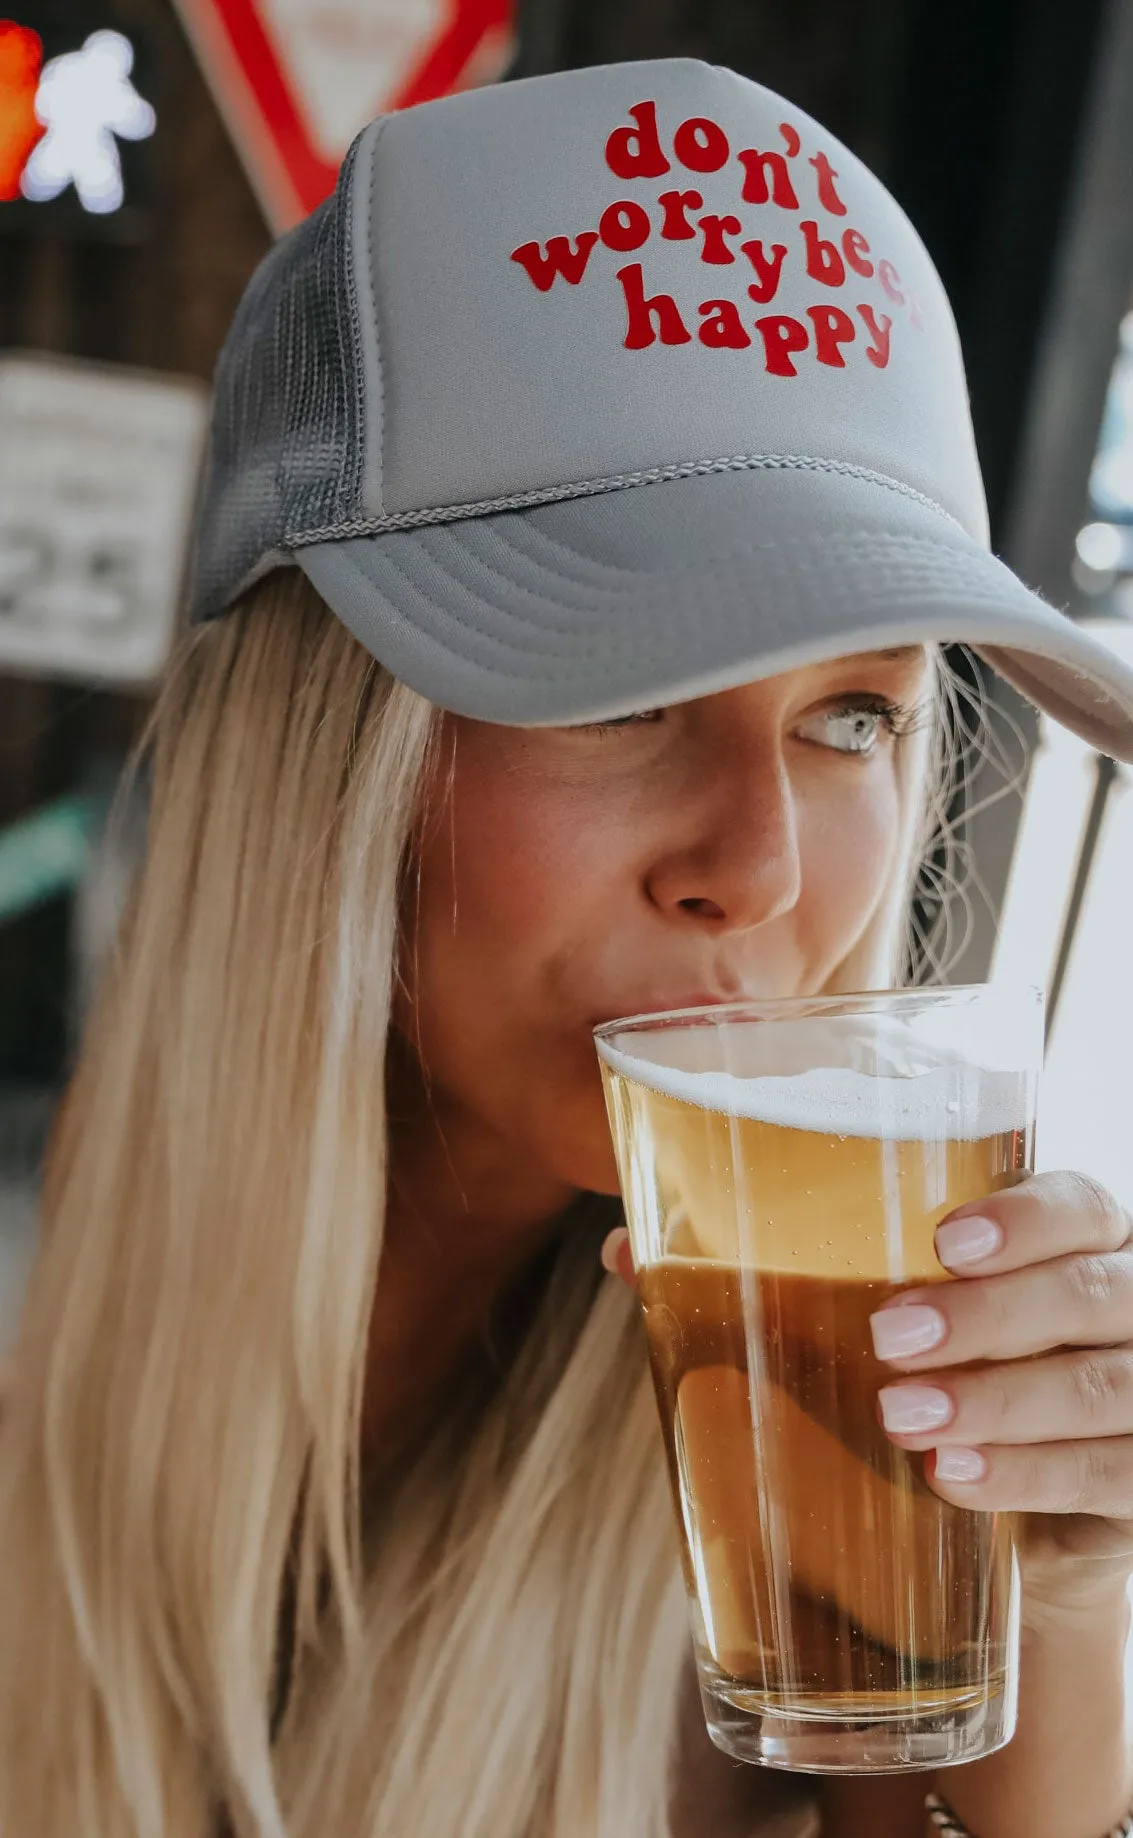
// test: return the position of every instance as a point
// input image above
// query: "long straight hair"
(493, 1647)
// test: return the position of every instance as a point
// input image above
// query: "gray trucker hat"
(602, 390)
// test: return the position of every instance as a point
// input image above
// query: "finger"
(617, 1257)
(1045, 1216)
(1065, 1397)
(1043, 1477)
(1073, 1301)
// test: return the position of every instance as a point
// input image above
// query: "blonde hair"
(494, 1649)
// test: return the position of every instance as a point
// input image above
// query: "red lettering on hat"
(767, 267)
(781, 336)
(676, 206)
(635, 153)
(890, 281)
(714, 230)
(701, 145)
(641, 313)
(624, 225)
(879, 330)
(856, 251)
(916, 318)
(823, 262)
(758, 165)
(827, 196)
(832, 328)
(723, 328)
(542, 265)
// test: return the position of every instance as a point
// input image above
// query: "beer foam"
(957, 1102)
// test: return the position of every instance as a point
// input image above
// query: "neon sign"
(62, 117)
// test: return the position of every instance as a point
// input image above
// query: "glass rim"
(776, 1008)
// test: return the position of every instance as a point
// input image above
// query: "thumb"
(616, 1255)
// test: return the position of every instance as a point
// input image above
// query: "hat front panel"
(589, 276)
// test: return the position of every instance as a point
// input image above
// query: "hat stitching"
(552, 554)
(407, 520)
(608, 646)
(374, 295)
(376, 343)
(530, 664)
(352, 313)
(808, 553)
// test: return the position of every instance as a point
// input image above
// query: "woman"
(331, 1490)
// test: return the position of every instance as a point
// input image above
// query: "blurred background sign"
(298, 79)
(98, 470)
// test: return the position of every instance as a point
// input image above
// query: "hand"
(1043, 1424)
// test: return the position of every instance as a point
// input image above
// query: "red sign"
(297, 79)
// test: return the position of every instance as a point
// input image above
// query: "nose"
(735, 863)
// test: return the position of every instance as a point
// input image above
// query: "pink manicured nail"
(910, 1328)
(955, 1464)
(611, 1248)
(966, 1241)
(910, 1410)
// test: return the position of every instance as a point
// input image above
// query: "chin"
(603, 1178)
(577, 1143)
(590, 1165)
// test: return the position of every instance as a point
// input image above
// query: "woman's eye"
(852, 728)
(647, 715)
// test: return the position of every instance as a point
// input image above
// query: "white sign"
(344, 59)
(297, 79)
(98, 474)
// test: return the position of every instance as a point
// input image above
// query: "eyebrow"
(896, 654)
(900, 654)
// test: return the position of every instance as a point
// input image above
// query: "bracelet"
(945, 1820)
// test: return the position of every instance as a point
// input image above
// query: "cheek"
(849, 842)
(513, 876)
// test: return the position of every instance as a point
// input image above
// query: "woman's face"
(734, 845)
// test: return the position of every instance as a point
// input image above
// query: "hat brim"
(596, 606)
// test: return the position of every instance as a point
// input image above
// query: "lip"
(662, 1005)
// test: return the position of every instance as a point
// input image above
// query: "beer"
(770, 1216)
(830, 1574)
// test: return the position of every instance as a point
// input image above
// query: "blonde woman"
(591, 484)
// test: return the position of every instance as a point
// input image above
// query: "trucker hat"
(597, 391)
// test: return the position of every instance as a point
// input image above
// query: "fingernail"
(611, 1247)
(912, 1409)
(955, 1464)
(912, 1328)
(966, 1241)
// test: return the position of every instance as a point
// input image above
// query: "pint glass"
(783, 1167)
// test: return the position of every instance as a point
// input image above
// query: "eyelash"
(899, 718)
